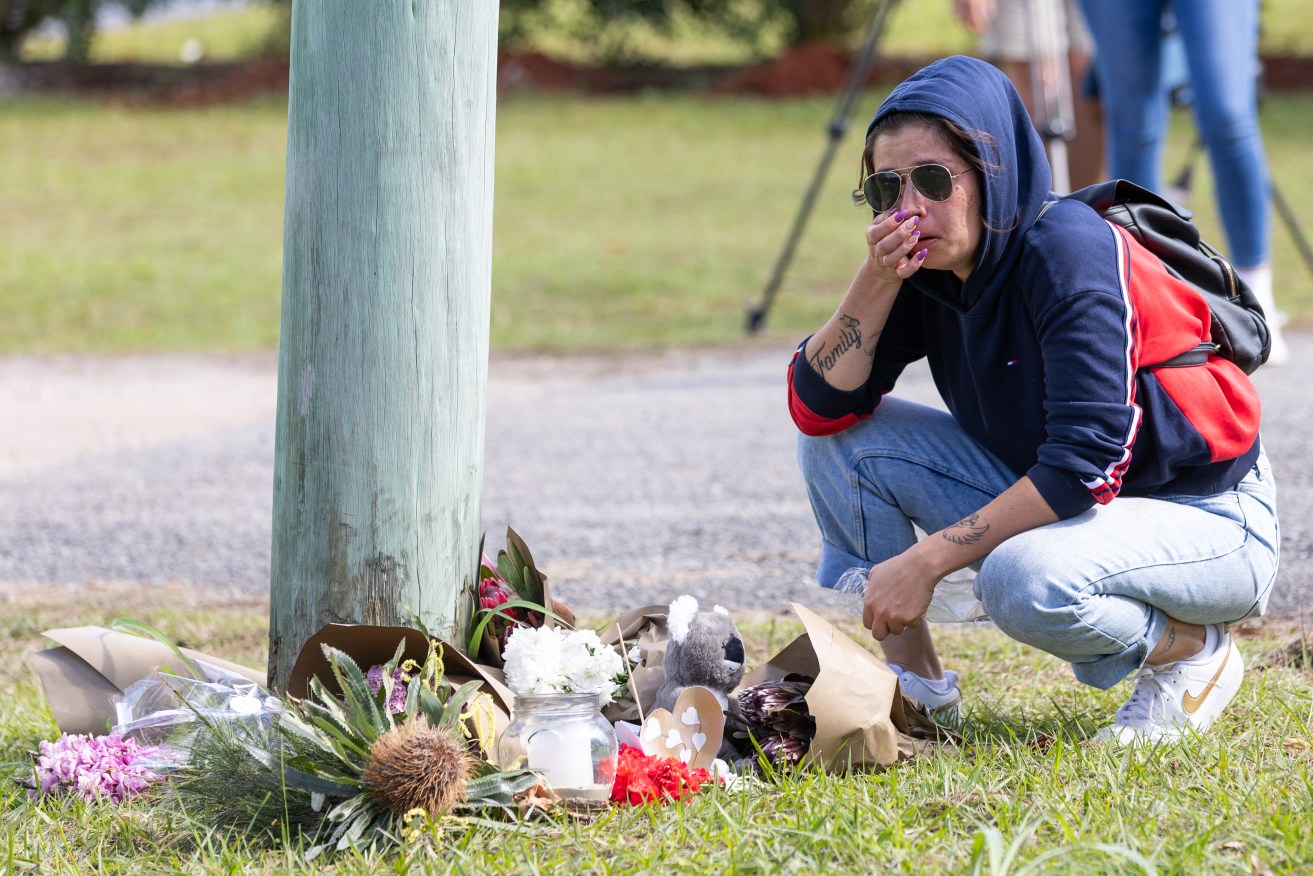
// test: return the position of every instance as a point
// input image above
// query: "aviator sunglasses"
(881, 190)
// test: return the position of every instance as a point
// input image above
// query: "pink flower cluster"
(93, 767)
(397, 700)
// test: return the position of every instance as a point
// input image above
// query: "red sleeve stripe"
(808, 421)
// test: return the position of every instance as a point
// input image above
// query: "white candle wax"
(564, 761)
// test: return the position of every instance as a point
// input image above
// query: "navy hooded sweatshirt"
(1037, 355)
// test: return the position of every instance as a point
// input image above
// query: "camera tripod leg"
(859, 71)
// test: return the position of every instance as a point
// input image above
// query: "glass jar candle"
(565, 738)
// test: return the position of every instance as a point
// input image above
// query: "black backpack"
(1239, 329)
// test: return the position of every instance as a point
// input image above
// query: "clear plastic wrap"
(162, 710)
(954, 600)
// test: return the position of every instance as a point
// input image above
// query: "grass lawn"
(620, 223)
(1024, 791)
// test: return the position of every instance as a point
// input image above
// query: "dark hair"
(967, 144)
(970, 146)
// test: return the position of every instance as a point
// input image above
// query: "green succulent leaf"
(362, 710)
(499, 788)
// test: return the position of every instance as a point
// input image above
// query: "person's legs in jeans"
(907, 465)
(1127, 38)
(1097, 589)
(1061, 588)
(1220, 38)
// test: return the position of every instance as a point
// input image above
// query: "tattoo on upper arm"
(967, 531)
(850, 338)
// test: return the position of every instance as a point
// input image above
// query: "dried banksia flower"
(416, 766)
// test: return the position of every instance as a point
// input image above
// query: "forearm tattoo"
(850, 338)
(967, 531)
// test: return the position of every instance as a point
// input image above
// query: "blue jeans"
(1095, 590)
(1220, 38)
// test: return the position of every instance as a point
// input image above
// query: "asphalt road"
(637, 479)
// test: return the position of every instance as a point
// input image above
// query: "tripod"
(859, 71)
(1051, 107)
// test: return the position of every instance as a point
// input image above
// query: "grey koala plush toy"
(704, 649)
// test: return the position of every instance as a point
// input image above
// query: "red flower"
(642, 778)
(491, 594)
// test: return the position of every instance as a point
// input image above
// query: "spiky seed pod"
(416, 766)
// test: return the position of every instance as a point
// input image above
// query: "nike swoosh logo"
(1191, 704)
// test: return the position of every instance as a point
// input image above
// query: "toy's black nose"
(734, 650)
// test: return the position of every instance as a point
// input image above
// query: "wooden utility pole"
(382, 370)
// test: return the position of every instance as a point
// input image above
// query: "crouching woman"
(1119, 515)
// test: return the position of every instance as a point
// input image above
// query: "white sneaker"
(944, 708)
(1170, 701)
(1280, 352)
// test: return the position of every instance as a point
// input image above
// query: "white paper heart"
(673, 739)
(685, 755)
(690, 716)
(651, 730)
(699, 740)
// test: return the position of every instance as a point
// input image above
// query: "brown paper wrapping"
(644, 628)
(862, 717)
(88, 673)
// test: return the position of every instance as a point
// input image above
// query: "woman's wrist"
(938, 558)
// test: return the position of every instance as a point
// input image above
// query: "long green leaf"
(486, 616)
(530, 579)
(315, 784)
(127, 625)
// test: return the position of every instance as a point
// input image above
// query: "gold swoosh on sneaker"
(1190, 703)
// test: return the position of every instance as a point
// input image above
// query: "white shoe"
(1170, 701)
(1280, 353)
(944, 708)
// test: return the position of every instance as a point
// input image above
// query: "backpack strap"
(1196, 355)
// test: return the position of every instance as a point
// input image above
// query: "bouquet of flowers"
(343, 768)
(643, 778)
(553, 660)
(94, 768)
(512, 594)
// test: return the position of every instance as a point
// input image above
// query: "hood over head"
(980, 99)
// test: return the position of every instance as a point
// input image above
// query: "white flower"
(553, 660)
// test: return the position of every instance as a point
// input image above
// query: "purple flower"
(397, 701)
(93, 768)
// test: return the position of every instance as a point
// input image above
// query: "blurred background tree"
(18, 18)
(615, 26)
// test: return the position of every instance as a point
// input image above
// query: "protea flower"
(775, 715)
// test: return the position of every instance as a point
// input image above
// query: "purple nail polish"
(916, 220)
(914, 235)
(922, 254)
(901, 215)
